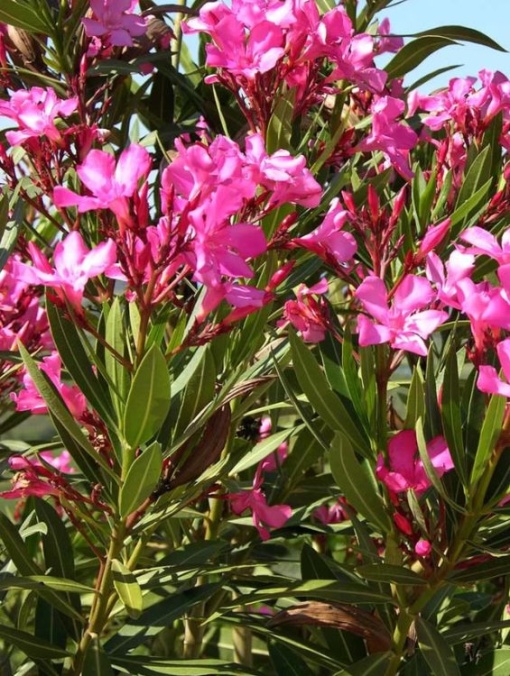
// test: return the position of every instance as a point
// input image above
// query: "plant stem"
(100, 605)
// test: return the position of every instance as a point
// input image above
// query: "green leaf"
(141, 480)
(286, 661)
(21, 15)
(198, 393)
(59, 410)
(477, 175)
(157, 666)
(391, 574)
(373, 665)
(469, 631)
(415, 400)
(327, 590)
(355, 483)
(465, 208)
(279, 130)
(327, 404)
(148, 400)
(413, 53)
(128, 589)
(308, 451)
(30, 645)
(464, 34)
(40, 582)
(486, 570)
(489, 435)
(10, 231)
(263, 449)
(451, 416)
(494, 663)
(115, 335)
(161, 614)
(96, 662)
(436, 651)
(70, 348)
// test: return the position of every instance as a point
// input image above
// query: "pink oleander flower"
(283, 174)
(458, 266)
(110, 184)
(61, 461)
(35, 111)
(406, 470)
(402, 325)
(263, 515)
(328, 240)
(432, 238)
(488, 378)
(486, 307)
(388, 135)
(115, 22)
(74, 264)
(423, 547)
(484, 243)
(29, 399)
(307, 314)
(335, 513)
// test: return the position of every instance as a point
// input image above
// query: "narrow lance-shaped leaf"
(327, 404)
(415, 400)
(58, 409)
(355, 483)
(463, 33)
(128, 589)
(30, 645)
(115, 335)
(21, 15)
(452, 422)
(414, 53)
(141, 480)
(435, 650)
(148, 400)
(489, 435)
(70, 348)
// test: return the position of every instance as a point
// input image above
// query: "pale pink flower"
(483, 242)
(406, 470)
(423, 547)
(74, 264)
(115, 22)
(390, 136)
(263, 515)
(458, 266)
(308, 314)
(488, 378)
(329, 241)
(110, 184)
(403, 325)
(29, 399)
(486, 307)
(35, 111)
(285, 175)
(61, 461)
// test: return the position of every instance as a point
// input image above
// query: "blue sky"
(489, 16)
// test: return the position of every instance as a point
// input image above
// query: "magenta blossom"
(307, 314)
(109, 184)
(406, 470)
(390, 136)
(489, 380)
(263, 515)
(402, 325)
(29, 398)
(329, 241)
(115, 22)
(74, 263)
(35, 111)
